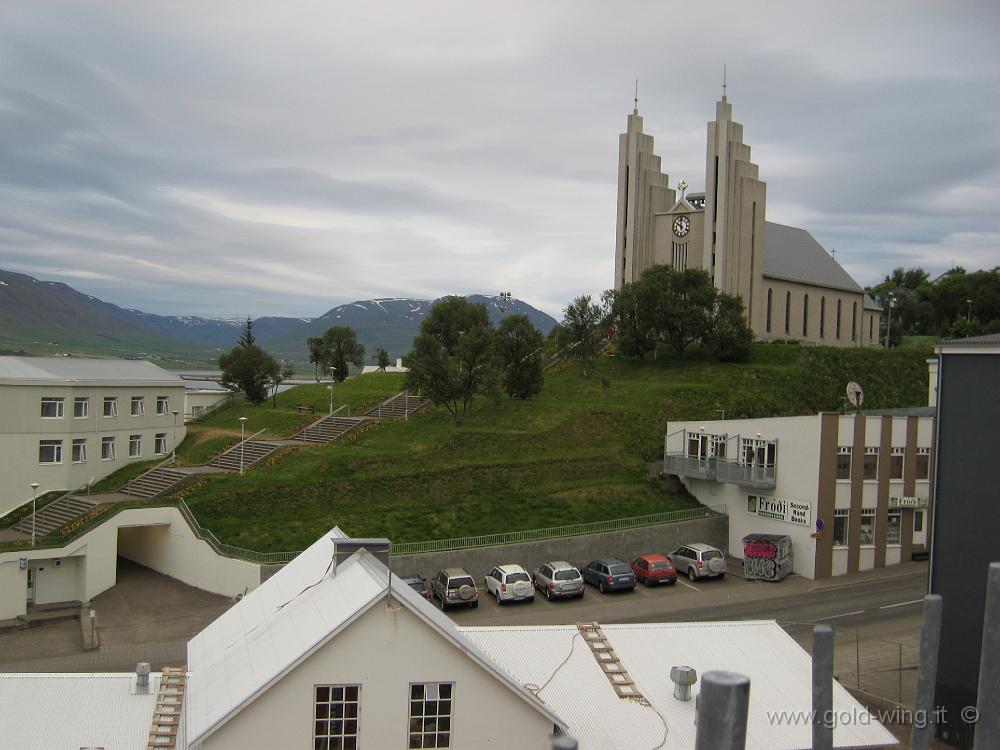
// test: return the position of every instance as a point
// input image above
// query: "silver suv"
(453, 586)
(509, 583)
(558, 580)
(699, 561)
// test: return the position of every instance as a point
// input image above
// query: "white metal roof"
(81, 370)
(288, 617)
(578, 690)
(46, 711)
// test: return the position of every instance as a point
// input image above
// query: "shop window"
(841, 519)
(893, 530)
(867, 526)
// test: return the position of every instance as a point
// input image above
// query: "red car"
(652, 569)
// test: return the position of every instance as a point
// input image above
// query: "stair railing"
(40, 515)
(160, 465)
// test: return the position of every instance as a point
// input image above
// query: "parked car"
(558, 580)
(453, 587)
(652, 569)
(510, 583)
(418, 584)
(699, 561)
(609, 574)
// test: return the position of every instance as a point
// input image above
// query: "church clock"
(682, 225)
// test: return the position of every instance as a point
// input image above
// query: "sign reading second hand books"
(789, 511)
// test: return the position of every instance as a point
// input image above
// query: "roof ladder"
(167, 714)
(609, 662)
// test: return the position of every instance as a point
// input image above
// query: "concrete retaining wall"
(579, 550)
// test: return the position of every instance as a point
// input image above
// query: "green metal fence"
(228, 550)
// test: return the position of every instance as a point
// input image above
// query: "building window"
(923, 463)
(162, 405)
(430, 714)
(703, 445)
(854, 322)
(838, 319)
(867, 526)
(768, 324)
(111, 406)
(79, 450)
(822, 317)
(893, 531)
(841, 517)
(136, 406)
(196, 410)
(788, 312)
(50, 451)
(160, 444)
(870, 467)
(805, 316)
(918, 520)
(107, 449)
(134, 446)
(896, 464)
(335, 720)
(758, 452)
(52, 408)
(844, 462)
(81, 408)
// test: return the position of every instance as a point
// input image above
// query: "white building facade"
(65, 422)
(851, 491)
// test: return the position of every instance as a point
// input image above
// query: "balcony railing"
(758, 477)
(689, 466)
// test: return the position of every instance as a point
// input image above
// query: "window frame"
(60, 407)
(81, 456)
(870, 453)
(56, 446)
(923, 460)
(108, 441)
(844, 513)
(83, 401)
(137, 401)
(422, 734)
(164, 402)
(160, 440)
(135, 446)
(871, 513)
(844, 450)
(894, 527)
(110, 401)
(897, 460)
(345, 703)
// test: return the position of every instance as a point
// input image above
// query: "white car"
(510, 583)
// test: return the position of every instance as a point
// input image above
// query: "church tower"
(642, 191)
(735, 200)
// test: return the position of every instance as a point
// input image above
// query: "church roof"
(793, 254)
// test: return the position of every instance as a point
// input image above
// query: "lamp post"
(243, 424)
(34, 497)
(888, 327)
(173, 453)
(968, 315)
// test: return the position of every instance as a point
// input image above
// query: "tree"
(316, 353)
(453, 357)
(249, 370)
(730, 337)
(581, 331)
(632, 331)
(247, 338)
(336, 350)
(382, 358)
(279, 376)
(519, 349)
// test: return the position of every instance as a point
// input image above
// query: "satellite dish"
(855, 395)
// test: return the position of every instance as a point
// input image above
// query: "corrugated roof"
(990, 339)
(780, 673)
(46, 711)
(794, 255)
(65, 369)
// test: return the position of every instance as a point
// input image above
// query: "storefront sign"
(789, 511)
(907, 502)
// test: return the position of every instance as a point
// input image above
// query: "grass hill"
(568, 456)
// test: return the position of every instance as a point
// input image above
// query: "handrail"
(39, 514)
(137, 477)
(317, 421)
(244, 441)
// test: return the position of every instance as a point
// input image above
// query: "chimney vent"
(142, 677)
(684, 678)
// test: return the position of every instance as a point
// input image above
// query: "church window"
(871, 327)
(854, 322)
(788, 312)
(769, 296)
(838, 319)
(822, 317)
(805, 316)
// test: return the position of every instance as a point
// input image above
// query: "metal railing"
(39, 515)
(138, 477)
(228, 550)
(689, 466)
(761, 477)
(556, 532)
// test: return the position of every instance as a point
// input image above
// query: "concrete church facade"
(791, 287)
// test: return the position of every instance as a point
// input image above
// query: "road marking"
(688, 585)
(834, 617)
(902, 604)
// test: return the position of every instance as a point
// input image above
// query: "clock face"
(682, 225)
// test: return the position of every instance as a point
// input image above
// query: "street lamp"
(888, 327)
(968, 315)
(34, 497)
(243, 424)
(173, 454)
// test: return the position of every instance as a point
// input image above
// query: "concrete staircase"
(55, 515)
(329, 428)
(254, 451)
(398, 407)
(153, 482)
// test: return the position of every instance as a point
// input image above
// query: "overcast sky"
(280, 158)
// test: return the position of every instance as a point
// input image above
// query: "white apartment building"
(852, 491)
(65, 421)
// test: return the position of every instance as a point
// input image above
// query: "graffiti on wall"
(767, 557)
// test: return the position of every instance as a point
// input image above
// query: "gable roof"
(81, 370)
(287, 618)
(793, 254)
(575, 685)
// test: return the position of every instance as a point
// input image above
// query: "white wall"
(384, 651)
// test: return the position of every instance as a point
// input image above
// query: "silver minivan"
(699, 560)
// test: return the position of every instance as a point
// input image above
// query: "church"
(792, 288)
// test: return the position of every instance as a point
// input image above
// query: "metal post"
(34, 514)
(923, 704)
(822, 688)
(988, 729)
(722, 711)
(857, 658)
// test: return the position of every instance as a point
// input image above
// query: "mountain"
(45, 317)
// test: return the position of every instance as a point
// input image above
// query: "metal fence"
(228, 550)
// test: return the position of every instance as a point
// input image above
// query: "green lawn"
(565, 457)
